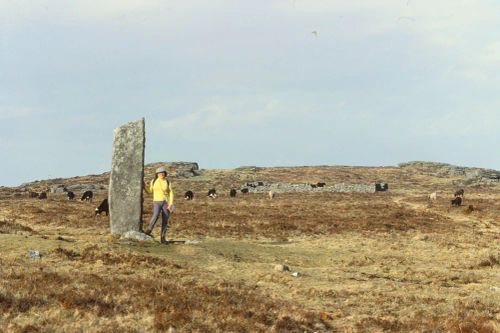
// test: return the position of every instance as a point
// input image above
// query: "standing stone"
(126, 181)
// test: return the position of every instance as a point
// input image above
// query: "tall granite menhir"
(126, 181)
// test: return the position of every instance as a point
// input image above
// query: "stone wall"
(282, 187)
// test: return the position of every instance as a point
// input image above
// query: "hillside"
(425, 176)
(363, 262)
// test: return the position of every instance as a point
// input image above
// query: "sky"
(232, 83)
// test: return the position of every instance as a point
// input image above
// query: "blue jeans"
(160, 206)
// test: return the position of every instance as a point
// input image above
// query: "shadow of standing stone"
(126, 181)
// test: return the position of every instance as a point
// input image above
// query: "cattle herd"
(212, 193)
(87, 196)
(458, 197)
(103, 207)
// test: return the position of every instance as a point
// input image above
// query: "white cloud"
(458, 124)
(9, 113)
(223, 118)
(26, 10)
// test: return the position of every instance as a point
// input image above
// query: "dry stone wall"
(282, 187)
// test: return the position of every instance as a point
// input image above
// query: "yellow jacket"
(161, 189)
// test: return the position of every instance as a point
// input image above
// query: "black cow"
(244, 191)
(189, 195)
(313, 185)
(102, 208)
(42, 195)
(456, 202)
(381, 187)
(232, 193)
(32, 194)
(212, 193)
(71, 195)
(320, 184)
(87, 196)
(459, 193)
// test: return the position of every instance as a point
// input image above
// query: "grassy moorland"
(383, 262)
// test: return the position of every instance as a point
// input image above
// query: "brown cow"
(456, 202)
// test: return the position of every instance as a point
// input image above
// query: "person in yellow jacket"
(163, 199)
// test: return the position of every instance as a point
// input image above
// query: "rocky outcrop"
(471, 175)
(175, 169)
(485, 174)
(57, 188)
(435, 168)
(249, 168)
(185, 169)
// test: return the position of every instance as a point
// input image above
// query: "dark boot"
(163, 240)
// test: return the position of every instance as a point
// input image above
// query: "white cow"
(433, 196)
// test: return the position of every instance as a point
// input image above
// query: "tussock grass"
(11, 227)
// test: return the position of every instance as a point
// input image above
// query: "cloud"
(221, 118)
(78, 10)
(10, 113)
(380, 71)
(24, 9)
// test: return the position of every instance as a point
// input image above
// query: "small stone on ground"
(281, 268)
(136, 235)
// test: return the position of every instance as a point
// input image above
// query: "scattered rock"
(86, 187)
(57, 188)
(320, 327)
(136, 235)
(34, 254)
(281, 268)
(421, 237)
(190, 242)
(296, 274)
